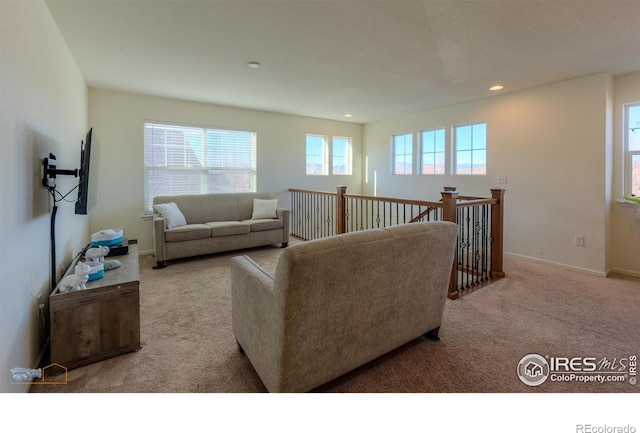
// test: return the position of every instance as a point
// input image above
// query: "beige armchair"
(336, 303)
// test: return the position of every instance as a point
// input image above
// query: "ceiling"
(372, 59)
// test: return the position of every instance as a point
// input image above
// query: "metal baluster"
(294, 214)
(350, 215)
(469, 222)
(484, 243)
(476, 246)
(300, 214)
(307, 216)
(460, 249)
(384, 214)
(317, 216)
(330, 216)
(371, 226)
(490, 241)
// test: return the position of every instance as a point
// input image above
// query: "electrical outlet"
(579, 241)
(502, 178)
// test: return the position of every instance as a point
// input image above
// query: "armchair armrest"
(258, 323)
(284, 214)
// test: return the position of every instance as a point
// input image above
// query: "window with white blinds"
(193, 160)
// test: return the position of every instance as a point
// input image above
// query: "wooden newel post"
(497, 229)
(341, 210)
(450, 213)
(449, 201)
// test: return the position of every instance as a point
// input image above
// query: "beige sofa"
(336, 303)
(214, 223)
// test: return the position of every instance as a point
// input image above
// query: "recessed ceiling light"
(254, 65)
(498, 87)
(348, 115)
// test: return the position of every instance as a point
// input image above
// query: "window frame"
(628, 153)
(422, 152)
(204, 170)
(394, 154)
(455, 150)
(348, 157)
(324, 155)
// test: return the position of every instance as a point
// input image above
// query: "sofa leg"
(433, 334)
(160, 265)
(284, 244)
(240, 349)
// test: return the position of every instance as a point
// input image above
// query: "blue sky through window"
(471, 149)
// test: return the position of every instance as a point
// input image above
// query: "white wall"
(43, 109)
(551, 142)
(625, 228)
(117, 119)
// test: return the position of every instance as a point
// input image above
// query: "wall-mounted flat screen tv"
(87, 189)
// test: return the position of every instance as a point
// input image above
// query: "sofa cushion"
(228, 228)
(171, 212)
(264, 224)
(188, 232)
(263, 209)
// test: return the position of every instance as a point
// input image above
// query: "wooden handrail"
(308, 191)
(395, 200)
(462, 201)
(475, 202)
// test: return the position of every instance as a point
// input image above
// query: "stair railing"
(479, 252)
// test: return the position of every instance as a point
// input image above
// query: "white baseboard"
(624, 272)
(557, 265)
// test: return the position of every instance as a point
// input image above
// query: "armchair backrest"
(348, 299)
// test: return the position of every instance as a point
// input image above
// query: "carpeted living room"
(365, 127)
(188, 343)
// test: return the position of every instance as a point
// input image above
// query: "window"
(192, 160)
(341, 155)
(317, 160)
(632, 150)
(471, 149)
(402, 154)
(433, 148)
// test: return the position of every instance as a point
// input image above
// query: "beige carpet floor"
(188, 345)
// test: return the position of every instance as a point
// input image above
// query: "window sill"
(628, 203)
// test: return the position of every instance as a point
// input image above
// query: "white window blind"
(193, 160)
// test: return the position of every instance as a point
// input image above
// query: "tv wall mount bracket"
(51, 171)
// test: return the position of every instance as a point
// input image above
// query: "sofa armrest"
(159, 245)
(284, 214)
(257, 320)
